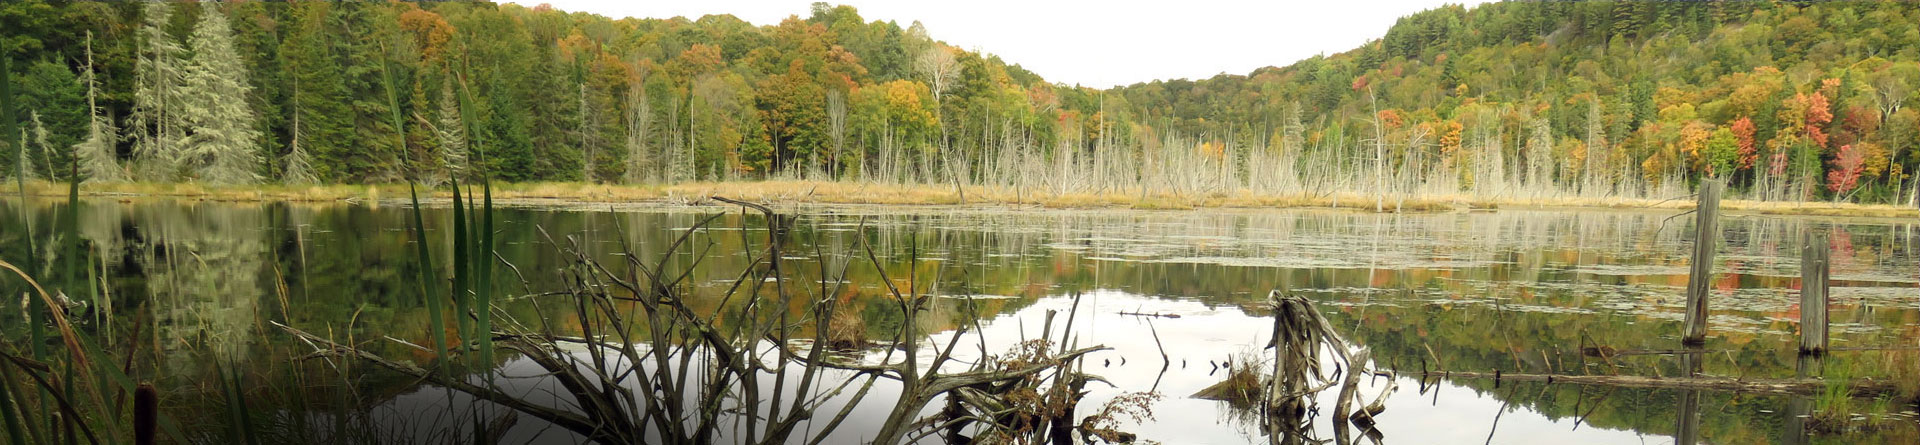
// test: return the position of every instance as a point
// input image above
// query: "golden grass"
(1244, 385)
(822, 192)
(846, 331)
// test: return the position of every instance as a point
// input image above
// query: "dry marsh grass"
(830, 192)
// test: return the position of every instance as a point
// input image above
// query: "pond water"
(1519, 291)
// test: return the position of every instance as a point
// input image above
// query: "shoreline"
(860, 193)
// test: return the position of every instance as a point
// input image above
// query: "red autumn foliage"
(1819, 113)
(1846, 169)
(1743, 132)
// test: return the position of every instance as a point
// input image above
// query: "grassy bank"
(890, 194)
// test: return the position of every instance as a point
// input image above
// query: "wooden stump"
(1699, 279)
(1813, 293)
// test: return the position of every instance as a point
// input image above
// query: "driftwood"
(1806, 386)
(1288, 395)
(645, 385)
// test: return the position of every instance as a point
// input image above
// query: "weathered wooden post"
(1706, 240)
(1813, 293)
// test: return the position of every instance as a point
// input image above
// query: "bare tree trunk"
(1379, 155)
(837, 126)
(639, 115)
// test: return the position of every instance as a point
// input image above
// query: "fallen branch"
(1605, 351)
(330, 348)
(1859, 387)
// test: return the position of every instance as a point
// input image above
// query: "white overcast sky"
(1090, 42)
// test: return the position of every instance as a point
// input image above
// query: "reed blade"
(16, 428)
(427, 279)
(483, 263)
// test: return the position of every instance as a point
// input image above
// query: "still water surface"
(1517, 291)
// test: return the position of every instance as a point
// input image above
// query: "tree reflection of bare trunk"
(1800, 408)
(1687, 430)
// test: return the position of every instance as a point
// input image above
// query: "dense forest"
(1785, 100)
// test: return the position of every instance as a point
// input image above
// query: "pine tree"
(157, 99)
(50, 91)
(1540, 155)
(371, 152)
(542, 92)
(319, 90)
(1292, 136)
(297, 166)
(451, 132)
(224, 148)
(95, 154)
(42, 151)
(508, 153)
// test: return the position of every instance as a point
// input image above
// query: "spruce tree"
(50, 91)
(156, 100)
(225, 142)
(318, 95)
(370, 152)
(42, 152)
(96, 153)
(297, 165)
(451, 132)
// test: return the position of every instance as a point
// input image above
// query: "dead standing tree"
(656, 370)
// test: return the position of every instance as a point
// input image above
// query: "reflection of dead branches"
(1300, 333)
(655, 369)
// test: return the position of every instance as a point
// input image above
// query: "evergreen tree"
(451, 133)
(1540, 154)
(297, 165)
(42, 152)
(158, 98)
(365, 65)
(224, 147)
(508, 154)
(551, 117)
(324, 133)
(96, 153)
(256, 31)
(51, 92)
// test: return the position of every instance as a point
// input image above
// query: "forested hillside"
(1786, 100)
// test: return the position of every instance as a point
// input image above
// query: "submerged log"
(1806, 386)
(1609, 351)
(1149, 314)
